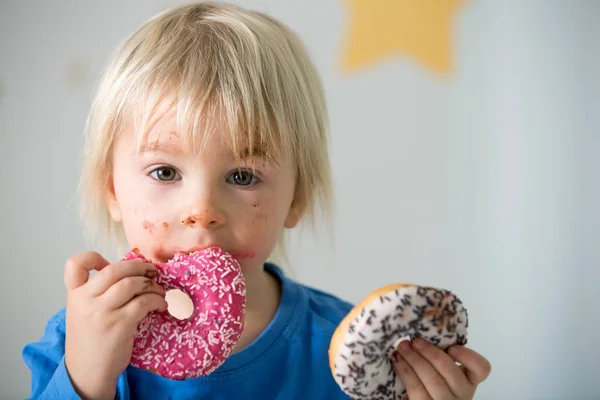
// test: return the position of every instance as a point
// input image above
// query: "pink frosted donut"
(181, 349)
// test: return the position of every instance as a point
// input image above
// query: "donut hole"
(180, 304)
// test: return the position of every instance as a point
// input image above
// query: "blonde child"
(209, 128)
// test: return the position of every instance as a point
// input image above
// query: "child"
(209, 128)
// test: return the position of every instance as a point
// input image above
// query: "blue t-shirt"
(289, 360)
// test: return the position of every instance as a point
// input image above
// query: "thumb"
(78, 267)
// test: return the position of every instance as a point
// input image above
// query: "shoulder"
(318, 317)
(53, 336)
(324, 311)
(57, 323)
(316, 312)
(329, 307)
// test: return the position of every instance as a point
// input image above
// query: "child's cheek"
(262, 229)
(149, 226)
(152, 234)
(255, 218)
(156, 228)
(259, 215)
(155, 231)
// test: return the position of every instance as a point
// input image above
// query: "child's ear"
(111, 201)
(294, 214)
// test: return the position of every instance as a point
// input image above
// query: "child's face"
(171, 200)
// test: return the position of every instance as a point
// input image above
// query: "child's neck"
(263, 293)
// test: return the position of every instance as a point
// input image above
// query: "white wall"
(484, 183)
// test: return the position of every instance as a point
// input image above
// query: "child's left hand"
(429, 373)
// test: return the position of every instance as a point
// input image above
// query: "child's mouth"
(237, 254)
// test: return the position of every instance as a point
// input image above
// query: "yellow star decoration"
(419, 28)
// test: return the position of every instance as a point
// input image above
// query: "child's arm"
(45, 359)
(428, 372)
(101, 320)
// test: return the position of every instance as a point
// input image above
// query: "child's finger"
(414, 387)
(112, 274)
(143, 304)
(446, 367)
(432, 381)
(127, 288)
(477, 368)
(78, 267)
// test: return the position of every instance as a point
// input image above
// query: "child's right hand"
(102, 317)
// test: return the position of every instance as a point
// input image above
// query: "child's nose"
(208, 218)
(205, 214)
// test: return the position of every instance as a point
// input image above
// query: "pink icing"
(181, 349)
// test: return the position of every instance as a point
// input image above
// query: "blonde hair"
(210, 58)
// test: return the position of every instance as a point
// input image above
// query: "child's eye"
(165, 174)
(242, 178)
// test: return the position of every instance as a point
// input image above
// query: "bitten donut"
(181, 349)
(361, 347)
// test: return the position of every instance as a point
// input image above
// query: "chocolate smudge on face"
(149, 226)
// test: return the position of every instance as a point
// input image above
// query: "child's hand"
(102, 316)
(428, 372)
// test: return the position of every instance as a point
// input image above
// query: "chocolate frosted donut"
(361, 347)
